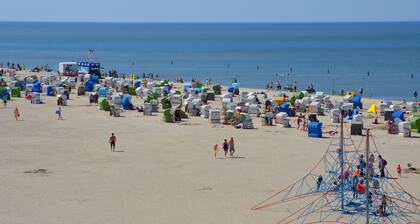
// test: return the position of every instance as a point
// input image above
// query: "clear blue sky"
(211, 10)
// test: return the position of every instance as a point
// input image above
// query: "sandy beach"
(160, 172)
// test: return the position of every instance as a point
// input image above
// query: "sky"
(210, 10)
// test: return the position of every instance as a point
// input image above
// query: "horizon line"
(211, 22)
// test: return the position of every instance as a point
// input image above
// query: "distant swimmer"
(412, 76)
(172, 62)
(328, 71)
(228, 65)
(258, 67)
(368, 73)
(291, 69)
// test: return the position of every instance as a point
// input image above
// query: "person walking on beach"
(215, 150)
(112, 141)
(381, 165)
(361, 91)
(225, 147)
(231, 147)
(399, 170)
(5, 100)
(16, 113)
(58, 112)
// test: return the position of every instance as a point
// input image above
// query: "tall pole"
(341, 155)
(367, 175)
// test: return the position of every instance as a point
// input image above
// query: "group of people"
(228, 147)
(302, 122)
(278, 87)
(356, 179)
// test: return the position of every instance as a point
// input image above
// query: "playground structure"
(332, 196)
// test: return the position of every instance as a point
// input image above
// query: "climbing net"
(335, 199)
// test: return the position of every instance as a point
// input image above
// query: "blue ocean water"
(255, 53)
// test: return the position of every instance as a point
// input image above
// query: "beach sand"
(161, 172)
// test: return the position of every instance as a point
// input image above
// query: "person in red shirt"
(360, 188)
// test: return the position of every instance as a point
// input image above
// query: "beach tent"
(197, 90)
(50, 90)
(132, 90)
(167, 88)
(300, 95)
(36, 86)
(104, 104)
(398, 114)
(415, 122)
(102, 91)
(231, 89)
(67, 67)
(95, 79)
(15, 91)
(217, 89)
(15, 84)
(351, 114)
(284, 108)
(137, 83)
(167, 116)
(292, 100)
(373, 109)
(3, 92)
(89, 67)
(357, 102)
(315, 129)
(89, 85)
(187, 87)
(125, 102)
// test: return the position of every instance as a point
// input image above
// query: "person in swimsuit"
(231, 147)
(225, 147)
(215, 149)
(16, 113)
(112, 141)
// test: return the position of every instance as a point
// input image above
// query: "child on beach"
(58, 112)
(225, 147)
(16, 113)
(399, 170)
(215, 149)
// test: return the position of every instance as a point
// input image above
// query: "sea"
(381, 57)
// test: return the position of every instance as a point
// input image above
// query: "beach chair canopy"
(357, 102)
(373, 109)
(398, 114)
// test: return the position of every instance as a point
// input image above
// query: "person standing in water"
(225, 147)
(231, 147)
(112, 141)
